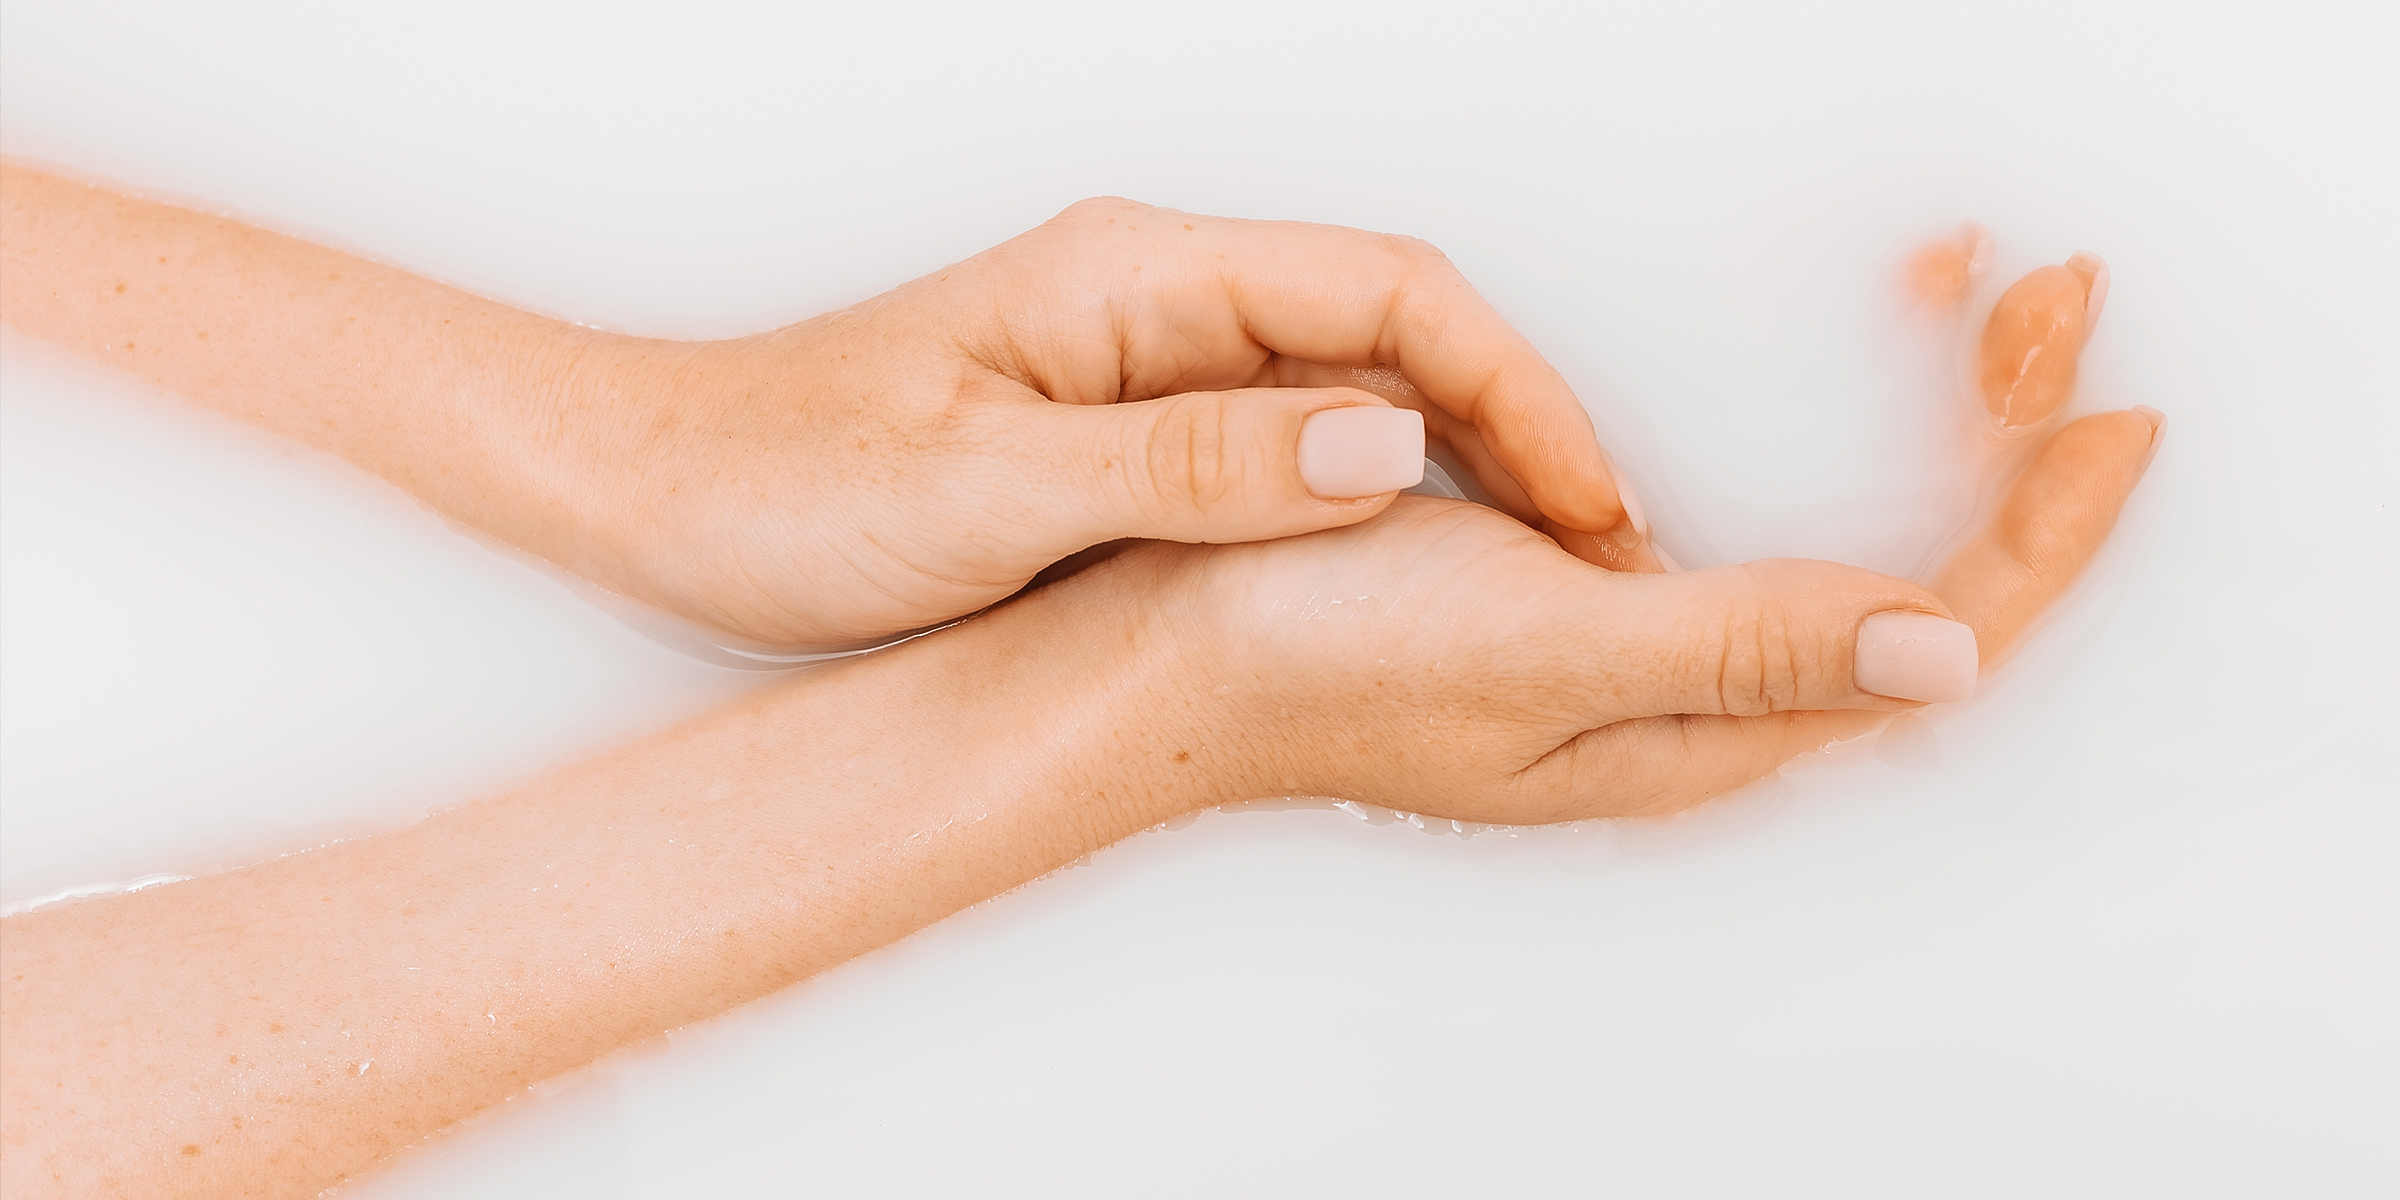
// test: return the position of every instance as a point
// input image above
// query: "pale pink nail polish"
(1628, 500)
(1346, 453)
(2158, 431)
(1915, 656)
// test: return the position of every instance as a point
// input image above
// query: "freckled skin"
(2031, 344)
(708, 865)
(214, 1037)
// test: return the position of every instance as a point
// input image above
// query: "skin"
(1120, 371)
(2033, 339)
(2001, 579)
(272, 1030)
(1940, 274)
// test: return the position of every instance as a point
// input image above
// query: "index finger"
(1211, 288)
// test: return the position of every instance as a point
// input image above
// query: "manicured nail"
(1634, 529)
(1632, 504)
(1915, 656)
(2158, 431)
(1665, 559)
(1363, 450)
(2095, 288)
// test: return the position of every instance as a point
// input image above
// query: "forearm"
(278, 1027)
(459, 400)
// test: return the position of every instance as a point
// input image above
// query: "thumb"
(1777, 636)
(1233, 466)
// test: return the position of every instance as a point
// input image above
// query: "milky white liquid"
(2119, 925)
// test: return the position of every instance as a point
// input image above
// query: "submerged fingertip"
(1979, 248)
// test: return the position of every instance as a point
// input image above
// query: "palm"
(1474, 670)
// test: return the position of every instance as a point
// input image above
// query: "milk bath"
(2118, 919)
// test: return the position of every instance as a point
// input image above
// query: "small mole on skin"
(1187, 227)
(191, 1149)
(275, 1028)
(1183, 756)
(120, 289)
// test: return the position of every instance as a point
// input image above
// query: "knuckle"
(1191, 461)
(1758, 667)
(1415, 248)
(1096, 210)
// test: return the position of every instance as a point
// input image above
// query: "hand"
(1121, 371)
(1440, 658)
(1444, 659)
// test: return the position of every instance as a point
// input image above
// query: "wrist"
(1185, 730)
(587, 456)
(1093, 676)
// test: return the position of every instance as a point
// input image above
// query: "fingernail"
(1979, 254)
(2095, 288)
(1665, 559)
(1363, 450)
(1915, 656)
(2158, 431)
(1632, 504)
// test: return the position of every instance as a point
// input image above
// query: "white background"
(2124, 925)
